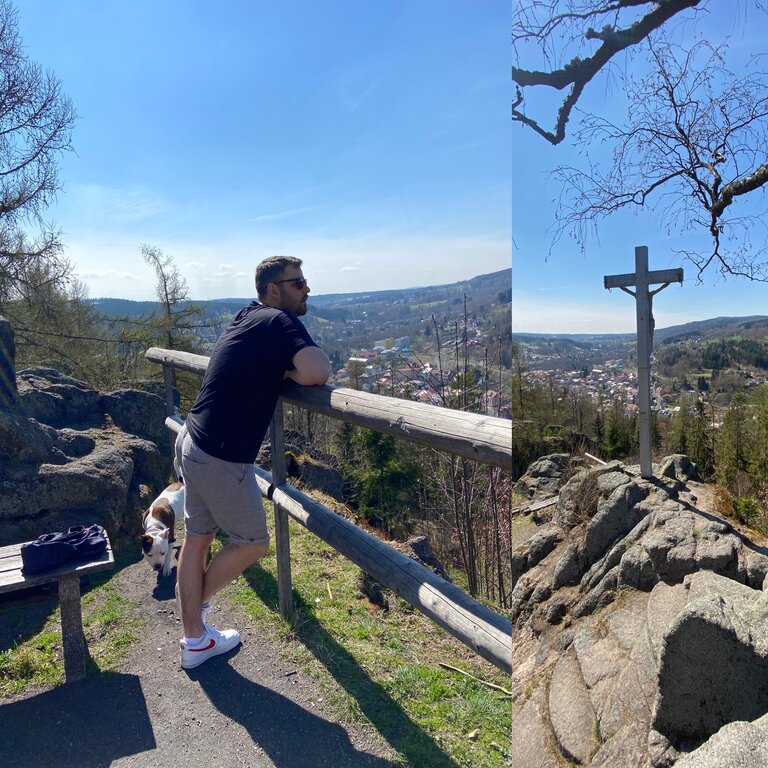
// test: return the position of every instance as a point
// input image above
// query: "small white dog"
(159, 523)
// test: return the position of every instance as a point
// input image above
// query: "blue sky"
(564, 292)
(371, 139)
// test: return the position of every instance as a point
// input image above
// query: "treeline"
(56, 326)
(712, 354)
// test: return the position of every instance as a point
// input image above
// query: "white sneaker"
(211, 644)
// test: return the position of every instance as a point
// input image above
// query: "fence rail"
(482, 438)
(474, 436)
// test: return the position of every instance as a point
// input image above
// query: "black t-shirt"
(243, 381)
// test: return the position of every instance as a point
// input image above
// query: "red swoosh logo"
(208, 647)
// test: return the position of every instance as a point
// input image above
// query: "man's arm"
(310, 366)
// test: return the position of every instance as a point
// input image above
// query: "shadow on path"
(88, 724)
(386, 715)
(291, 736)
(165, 587)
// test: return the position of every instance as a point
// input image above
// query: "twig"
(330, 594)
(479, 680)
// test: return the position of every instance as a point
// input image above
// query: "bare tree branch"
(693, 142)
(579, 72)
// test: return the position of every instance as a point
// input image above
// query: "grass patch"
(38, 661)
(381, 667)
(111, 624)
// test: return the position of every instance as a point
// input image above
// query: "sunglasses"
(299, 282)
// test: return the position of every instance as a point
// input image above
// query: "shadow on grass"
(386, 715)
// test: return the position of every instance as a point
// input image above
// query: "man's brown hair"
(270, 268)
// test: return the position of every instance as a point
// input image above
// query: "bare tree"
(693, 143)
(173, 295)
(692, 147)
(36, 122)
(180, 321)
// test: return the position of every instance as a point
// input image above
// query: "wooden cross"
(641, 279)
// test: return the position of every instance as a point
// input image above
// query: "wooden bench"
(68, 578)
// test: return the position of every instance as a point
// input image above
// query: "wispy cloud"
(110, 274)
(539, 314)
(355, 87)
(114, 205)
(283, 214)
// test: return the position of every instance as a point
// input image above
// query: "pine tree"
(733, 444)
(679, 431)
(700, 441)
(758, 450)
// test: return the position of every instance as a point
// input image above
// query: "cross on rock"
(641, 279)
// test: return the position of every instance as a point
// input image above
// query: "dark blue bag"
(54, 549)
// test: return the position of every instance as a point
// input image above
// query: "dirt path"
(250, 707)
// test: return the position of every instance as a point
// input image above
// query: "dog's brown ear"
(146, 543)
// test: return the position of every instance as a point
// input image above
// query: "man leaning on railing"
(264, 344)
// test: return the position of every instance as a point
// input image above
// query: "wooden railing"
(483, 438)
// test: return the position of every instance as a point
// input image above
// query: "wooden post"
(641, 279)
(282, 534)
(170, 409)
(72, 628)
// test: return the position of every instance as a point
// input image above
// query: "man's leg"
(190, 576)
(228, 564)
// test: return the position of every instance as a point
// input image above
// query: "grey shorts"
(219, 494)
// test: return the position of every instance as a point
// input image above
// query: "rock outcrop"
(640, 628)
(70, 455)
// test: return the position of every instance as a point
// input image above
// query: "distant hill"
(715, 343)
(342, 322)
(715, 327)
(752, 326)
(486, 286)
(493, 281)
(118, 308)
